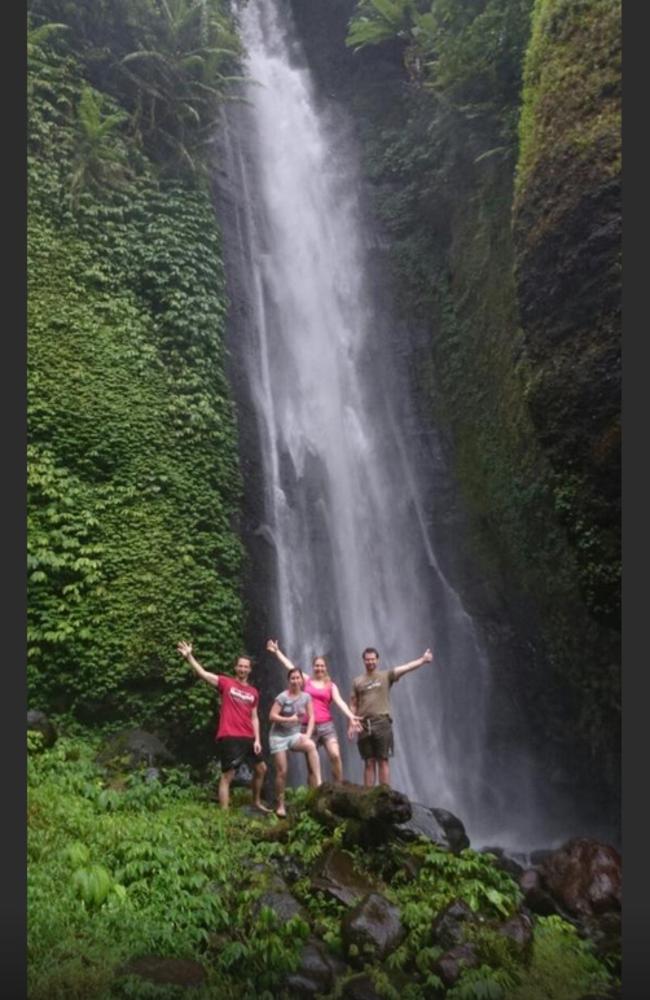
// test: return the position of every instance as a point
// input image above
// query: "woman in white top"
(287, 713)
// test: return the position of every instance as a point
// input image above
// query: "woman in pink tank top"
(323, 692)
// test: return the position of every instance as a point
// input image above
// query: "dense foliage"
(122, 866)
(167, 62)
(134, 485)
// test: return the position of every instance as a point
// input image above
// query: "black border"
(636, 910)
(13, 920)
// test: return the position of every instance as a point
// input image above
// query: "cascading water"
(354, 561)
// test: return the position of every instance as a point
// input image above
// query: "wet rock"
(437, 825)
(291, 868)
(38, 722)
(369, 814)
(519, 930)
(134, 748)
(371, 930)
(167, 971)
(536, 898)
(451, 965)
(457, 839)
(316, 972)
(505, 862)
(584, 876)
(604, 931)
(448, 928)
(278, 898)
(336, 875)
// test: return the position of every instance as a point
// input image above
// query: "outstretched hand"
(185, 649)
(427, 656)
(272, 645)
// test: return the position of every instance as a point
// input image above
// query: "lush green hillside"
(128, 874)
(134, 485)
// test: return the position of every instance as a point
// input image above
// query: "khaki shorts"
(376, 741)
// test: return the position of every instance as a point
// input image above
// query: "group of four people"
(301, 720)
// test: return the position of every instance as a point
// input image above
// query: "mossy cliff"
(567, 230)
(537, 554)
(134, 484)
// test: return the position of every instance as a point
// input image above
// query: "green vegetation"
(134, 486)
(167, 62)
(570, 110)
(122, 867)
(468, 53)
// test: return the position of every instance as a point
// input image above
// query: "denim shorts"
(278, 743)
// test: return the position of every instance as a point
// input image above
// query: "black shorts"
(233, 751)
(377, 738)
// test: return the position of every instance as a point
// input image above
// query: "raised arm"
(273, 647)
(405, 668)
(185, 649)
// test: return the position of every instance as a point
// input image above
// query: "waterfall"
(353, 551)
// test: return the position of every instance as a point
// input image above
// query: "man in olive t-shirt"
(370, 699)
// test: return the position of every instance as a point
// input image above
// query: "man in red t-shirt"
(238, 732)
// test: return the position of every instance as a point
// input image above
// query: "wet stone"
(336, 875)
(372, 929)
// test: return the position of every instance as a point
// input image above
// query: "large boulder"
(449, 926)
(519, 931)
(371, 930)
(39, 722)
(536, 897)
(452, 964)
(132, 749)
(584, 876)
(369, 815)
(316, 972)
(437, 825)
(336, 875)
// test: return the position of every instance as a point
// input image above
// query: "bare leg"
(280, 760)
(384, 771)
(334, 754)
(313, 760)
(256, 786)
(224, 787)
(369, 767)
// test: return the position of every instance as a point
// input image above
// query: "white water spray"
(354, 562)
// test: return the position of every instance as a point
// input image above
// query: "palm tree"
(99, 160)
(178, 74)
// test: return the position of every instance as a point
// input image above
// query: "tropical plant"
(99, 159)
(177, 76)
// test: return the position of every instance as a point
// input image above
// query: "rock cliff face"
(567, 222)
(513, 350)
